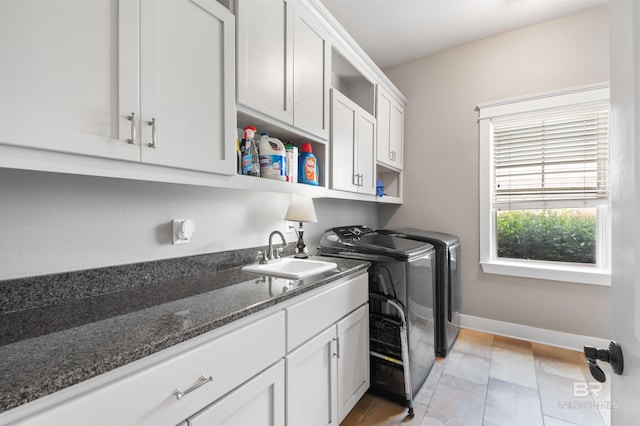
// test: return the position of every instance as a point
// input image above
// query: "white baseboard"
(539, 335)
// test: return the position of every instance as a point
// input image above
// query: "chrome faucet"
(273, 256)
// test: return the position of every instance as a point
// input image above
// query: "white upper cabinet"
(187, 104)
(149, 81)
(366, 140)
(152, 85)
(390, 115)
(311, 74)
(265, 52)
(283, 64)
(353, 132)
(59, 77)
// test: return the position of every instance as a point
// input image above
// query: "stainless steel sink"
(292, 268)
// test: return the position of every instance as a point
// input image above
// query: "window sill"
(581, 275)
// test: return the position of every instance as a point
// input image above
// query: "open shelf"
(352, 83)
(392, 180)
(287, 134)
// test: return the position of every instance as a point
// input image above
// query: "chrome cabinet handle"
(202, 380)
(132, 118)
(337, 352)
(154, 133)
(354, 181)
(360, 180)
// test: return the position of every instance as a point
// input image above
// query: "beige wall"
(441, 156)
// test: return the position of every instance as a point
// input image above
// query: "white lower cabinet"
(328, 373)
(353, 359)
(260, 402)
(312, 386)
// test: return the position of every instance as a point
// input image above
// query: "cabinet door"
(390, 132)
(311, 74)
(69, 75)
(260, 402)
(344, 119)
(187, 85)
(366, 152)
(397, 134)
(353, 359)
(312, 382)
(383, 113)
(265, 57)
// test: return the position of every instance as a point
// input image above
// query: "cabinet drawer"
(147, 397)
(259, 402)
(311, 316)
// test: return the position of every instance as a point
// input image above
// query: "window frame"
(560, 101)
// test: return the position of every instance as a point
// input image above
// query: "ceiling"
(397, 31)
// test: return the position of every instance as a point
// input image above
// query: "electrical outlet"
(182, 230)
(288, 231)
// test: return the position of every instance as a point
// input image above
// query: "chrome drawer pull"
(202, 380)
(337, 352)
(132, 118)
(154, 133)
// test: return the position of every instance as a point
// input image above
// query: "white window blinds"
(559, 158)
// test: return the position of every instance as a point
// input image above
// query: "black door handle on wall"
(613, 356)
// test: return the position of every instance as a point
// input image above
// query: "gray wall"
(441, 157)
(55, 222)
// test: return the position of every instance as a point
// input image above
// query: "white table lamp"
(301, 210)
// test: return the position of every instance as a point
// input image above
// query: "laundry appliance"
(448, 298)
(403, 273)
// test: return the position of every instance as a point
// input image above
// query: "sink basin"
(290, 267)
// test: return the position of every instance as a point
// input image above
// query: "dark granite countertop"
(47, 348)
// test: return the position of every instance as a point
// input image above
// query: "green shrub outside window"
(563, 235)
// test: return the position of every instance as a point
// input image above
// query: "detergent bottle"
(273, 158)
(308, 166)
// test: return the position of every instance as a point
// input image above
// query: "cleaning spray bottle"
(255, 158)
(245, 148)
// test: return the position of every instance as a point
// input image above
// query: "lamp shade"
(301, 209)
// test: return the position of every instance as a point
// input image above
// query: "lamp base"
(301, 247)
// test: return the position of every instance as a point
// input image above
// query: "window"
(544, 186)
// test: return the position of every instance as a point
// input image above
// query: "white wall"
(53, 223)
(441, 156)
(625, 153)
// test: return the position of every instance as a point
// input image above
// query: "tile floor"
(497, 381)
